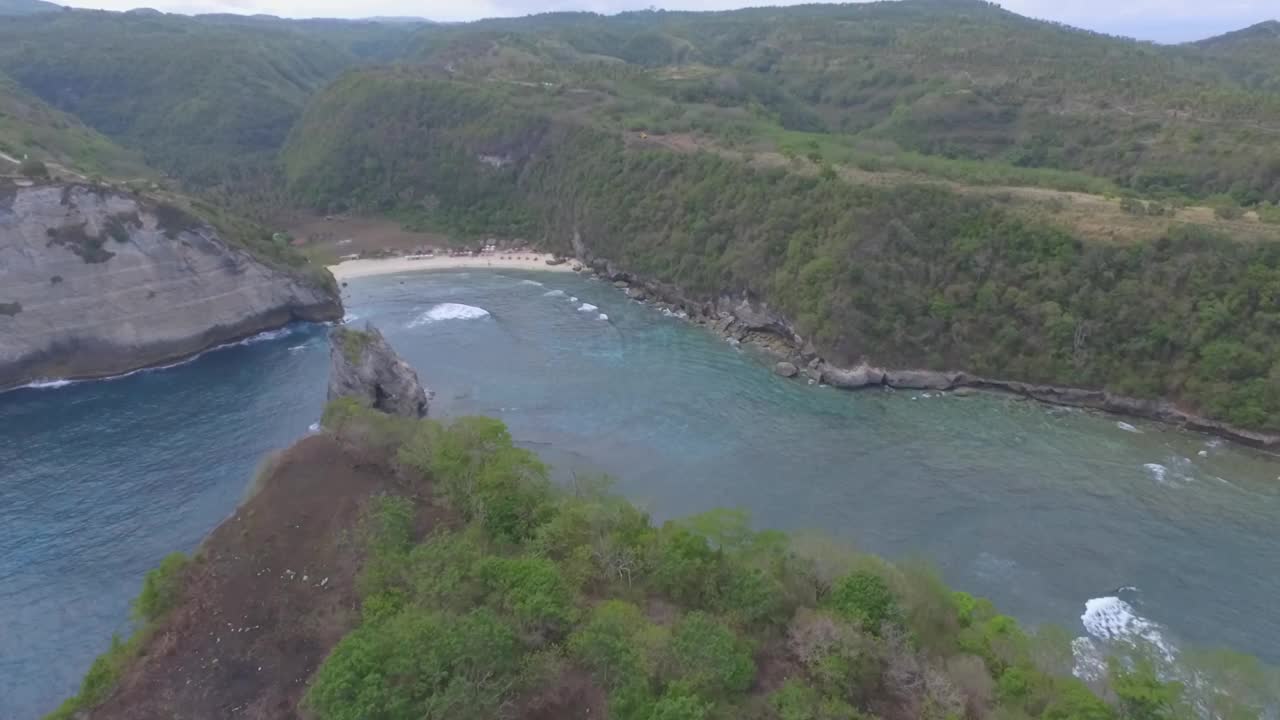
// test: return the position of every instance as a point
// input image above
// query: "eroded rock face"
(97, 282)
(363, 365)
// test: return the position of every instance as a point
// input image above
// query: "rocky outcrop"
(739, 320)
(97, 282)
(363, 365)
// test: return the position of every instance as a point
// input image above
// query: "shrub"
(679, 703)
(443, 571)
(798, 701)
(34, 169)
(483, 475)
(532, 591)
(864, 598)
(101, 678)
(419, 664)
(708, 656)
(353, 422)
(161, 588)
(686, 568)
(617, 644)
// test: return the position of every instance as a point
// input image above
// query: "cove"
(1041, 509)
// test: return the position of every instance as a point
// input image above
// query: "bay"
(1041, 509)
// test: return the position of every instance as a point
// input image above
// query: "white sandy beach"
(385, 266)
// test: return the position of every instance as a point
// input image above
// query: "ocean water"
(1112, 528)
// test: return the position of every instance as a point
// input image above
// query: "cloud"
(1159, 20)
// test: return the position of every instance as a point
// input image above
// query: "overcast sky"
(1159, 20)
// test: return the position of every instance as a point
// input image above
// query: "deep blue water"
(1038, 508)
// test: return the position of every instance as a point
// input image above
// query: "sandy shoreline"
(386, 266)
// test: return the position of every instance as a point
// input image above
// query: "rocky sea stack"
(363, 365)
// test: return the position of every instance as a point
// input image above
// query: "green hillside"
(204, 101)
(30, 128)
(957, 79)
(900, 273)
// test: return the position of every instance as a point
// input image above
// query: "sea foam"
(55, 383)
(588, 307)
(1110, 618)
(1157, 472)
(449, 311)
(553, 293)
(1127, 427)
(531, 282)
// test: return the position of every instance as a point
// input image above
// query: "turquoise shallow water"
(1041, 509)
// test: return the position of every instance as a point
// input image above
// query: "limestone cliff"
(363, 365)
(96, 282)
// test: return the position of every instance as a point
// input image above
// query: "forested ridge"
(912, 274)
(921, 183)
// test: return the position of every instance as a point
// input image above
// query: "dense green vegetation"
(30, 128)
(206, 100)
(963, 80)
(904, 275)
(544, 601)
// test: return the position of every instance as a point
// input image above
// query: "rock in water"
(363, 365)
(786, 369)
(858, 377)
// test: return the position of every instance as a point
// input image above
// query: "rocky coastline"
(740, 321)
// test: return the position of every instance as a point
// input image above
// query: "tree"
(1142, 695)
(864, 598)
(710, 657)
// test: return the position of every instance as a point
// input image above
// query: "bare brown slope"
(268, 595)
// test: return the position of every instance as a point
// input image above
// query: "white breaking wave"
(1157, 472)
(449, 311)
(553, 293)
(46, 384)
(1110, 618)
(55, 383)
(314, 427)
(296, 348)
(349, 318)
(588, 307)
(1127, 427)
(573, 299)
(603, 316)
(531, 282)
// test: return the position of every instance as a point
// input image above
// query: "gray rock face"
(786, 369)
(363, 365)
(920, 379)
(96, 282)
(852, 379)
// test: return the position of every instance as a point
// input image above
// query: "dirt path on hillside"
(270, 593)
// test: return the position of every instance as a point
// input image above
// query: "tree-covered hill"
(209, 101)
(901, 274)
(27, 7)
(31, 128)
(957, 79)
